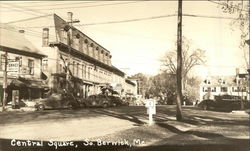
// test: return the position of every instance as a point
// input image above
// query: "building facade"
(24, 62)
(130, 87)
(67, 47)
(222, 85)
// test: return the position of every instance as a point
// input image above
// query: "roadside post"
(151, 109)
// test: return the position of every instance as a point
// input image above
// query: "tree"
(241, 22)
(190, 59)
(163, 85)
(142, 83)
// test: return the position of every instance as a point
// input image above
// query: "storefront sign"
(13, 68)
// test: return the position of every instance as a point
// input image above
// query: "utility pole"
(5, 80)
(179, 63)
(68, 28)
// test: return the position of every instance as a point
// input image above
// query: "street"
(128, 123)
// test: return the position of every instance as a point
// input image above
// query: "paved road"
(126, 123)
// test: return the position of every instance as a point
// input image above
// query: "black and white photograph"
(114, 75)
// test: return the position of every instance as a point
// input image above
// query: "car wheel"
(205, 107)
(70, 106)
(40, 107)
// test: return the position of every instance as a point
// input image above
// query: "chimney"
(237, 71)
(45, 39)
(70, 16)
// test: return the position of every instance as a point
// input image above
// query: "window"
(83, 72)
(73, 68)
(214, 89)
(76, 43)
(2, 62)
(64, 36)
(223, 89)
(45, 64)
(77, 69)
(31, 66)
(84, 48)
(235, 89)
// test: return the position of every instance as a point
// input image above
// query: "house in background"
(221, 85)
(24, 65)
(130, 87)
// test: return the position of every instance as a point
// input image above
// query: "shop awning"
(37, 84)
(87, 82)
(18, 83)
(24, 82)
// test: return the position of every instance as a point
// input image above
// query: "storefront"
(21, 90)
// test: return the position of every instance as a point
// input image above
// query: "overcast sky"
(137, 46)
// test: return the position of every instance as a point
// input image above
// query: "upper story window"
(64, 36)
(76, 42)
(207, 81)
(213, 89)
(223, 89)
(31, 66)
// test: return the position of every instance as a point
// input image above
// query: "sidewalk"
(22, 109)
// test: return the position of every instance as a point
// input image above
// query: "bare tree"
(190, 59)
(241, 9)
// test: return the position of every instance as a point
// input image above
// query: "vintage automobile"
(224, 103)
(57, 101)
(99, 100)
(117, 101)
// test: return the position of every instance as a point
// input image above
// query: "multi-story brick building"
(24, 61)
(90, 63)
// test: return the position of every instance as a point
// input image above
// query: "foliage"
(241, 9)
(190, 59)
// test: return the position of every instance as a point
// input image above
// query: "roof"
(12, 38)
(217, 80)
(130, 82)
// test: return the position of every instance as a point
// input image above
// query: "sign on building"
(13, 68)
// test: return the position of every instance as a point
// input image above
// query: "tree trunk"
(179, 63)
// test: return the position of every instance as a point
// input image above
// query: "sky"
(138, 46)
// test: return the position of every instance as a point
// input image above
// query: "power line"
(27, 19)
(26, 9)
(57, 3)
(208, 16)
(141, 19)
(97, 5)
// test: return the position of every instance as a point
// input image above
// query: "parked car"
(99, 100)
(223, 103)
(56, 101)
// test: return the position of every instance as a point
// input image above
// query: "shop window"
(214, 89)
(31, 66)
